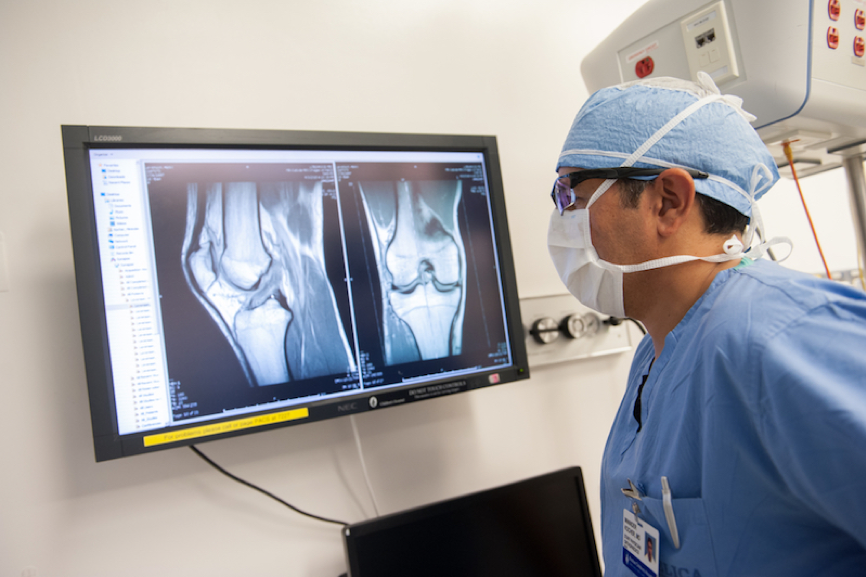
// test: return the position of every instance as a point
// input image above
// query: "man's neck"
(662, 297)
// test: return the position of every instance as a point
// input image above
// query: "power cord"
(786, 147)
(616, 321)
(260, 490)
(364, 465)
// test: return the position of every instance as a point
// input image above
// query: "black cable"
(616, 321)
(639, 325)
(259, 489)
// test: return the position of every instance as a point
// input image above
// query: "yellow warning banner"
(225, 427)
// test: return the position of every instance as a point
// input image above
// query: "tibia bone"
(261, 333)
(431, 314)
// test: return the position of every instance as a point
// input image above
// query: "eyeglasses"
(563, 187)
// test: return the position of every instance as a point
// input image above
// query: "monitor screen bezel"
(77, 143)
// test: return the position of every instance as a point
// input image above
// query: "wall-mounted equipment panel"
(558, 328)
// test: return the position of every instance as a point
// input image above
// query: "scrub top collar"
(655, 367)
(673, 337)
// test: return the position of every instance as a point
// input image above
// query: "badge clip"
(632, 492)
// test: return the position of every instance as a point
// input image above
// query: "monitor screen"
(540, 526)
(232, 281)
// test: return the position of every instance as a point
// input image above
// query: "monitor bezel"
(79, 140)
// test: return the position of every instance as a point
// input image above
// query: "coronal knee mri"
(421, 260)
(253, 255)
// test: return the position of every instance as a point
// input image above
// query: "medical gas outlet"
(577, 326)
(559, 329)
(546, 330)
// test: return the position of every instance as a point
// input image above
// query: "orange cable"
(786, 146)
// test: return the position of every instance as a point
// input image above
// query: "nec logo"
(346, 407)
(107, 138)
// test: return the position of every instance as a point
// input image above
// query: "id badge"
(640, 546)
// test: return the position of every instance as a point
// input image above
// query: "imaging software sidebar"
(131, 307)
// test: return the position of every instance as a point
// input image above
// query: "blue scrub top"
(755, 411)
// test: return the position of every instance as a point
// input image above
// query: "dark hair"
(719, 218)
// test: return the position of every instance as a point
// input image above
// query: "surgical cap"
(717, 138)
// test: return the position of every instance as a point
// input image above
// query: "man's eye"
(580, 194)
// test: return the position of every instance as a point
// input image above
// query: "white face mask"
(597, 283)
(576, 260)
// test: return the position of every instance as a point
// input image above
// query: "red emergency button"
(644, 67)
(832, 38)
(859, 46)
(859, 19)
(834, 8)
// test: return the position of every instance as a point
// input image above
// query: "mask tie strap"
(672, 260)
(760, 181)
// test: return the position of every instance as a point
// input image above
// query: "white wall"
(828, 200)
(508, 68)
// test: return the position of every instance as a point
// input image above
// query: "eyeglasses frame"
(616, 173)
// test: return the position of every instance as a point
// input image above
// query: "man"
(741, 438)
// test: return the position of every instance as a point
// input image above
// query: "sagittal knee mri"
(421, 260)
(253, 256)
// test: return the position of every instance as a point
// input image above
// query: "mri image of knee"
(253, 255)
(421, 263)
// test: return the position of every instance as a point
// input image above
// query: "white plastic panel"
(661, 49)
(769, 40)
(834, 44)
(800, 68)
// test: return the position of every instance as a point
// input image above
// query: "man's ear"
(675, 200)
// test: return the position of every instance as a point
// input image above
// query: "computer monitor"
(537, 527)
(233, 281)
